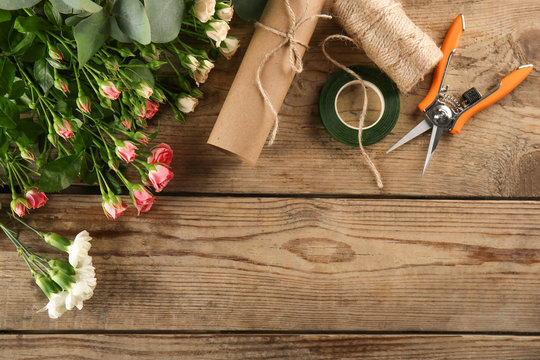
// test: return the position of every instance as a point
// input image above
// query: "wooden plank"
(217, 263)
(314, 347)
(497, 154)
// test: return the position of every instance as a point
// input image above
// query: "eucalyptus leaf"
(17, 4)
(57, 175)
(132, 20)
(9, 114)
(116, 33)
(165, 18)
(67, 8)
(90, 6)
(249, 10)
(90, 34)
(43, 73)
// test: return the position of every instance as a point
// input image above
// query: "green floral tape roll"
(374, 79)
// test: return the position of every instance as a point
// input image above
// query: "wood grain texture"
(215, 263)
(225, 347)
(497, 154)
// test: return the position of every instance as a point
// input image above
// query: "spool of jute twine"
(389, 38)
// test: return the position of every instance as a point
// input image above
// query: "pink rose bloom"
(35, 198)
(161, 154)
(151, 108)
(114, 206)
(160, 176)
(63, 130)
(18, 206)
(126, 152)
(143, 199)
(83, 103)
(108, 89)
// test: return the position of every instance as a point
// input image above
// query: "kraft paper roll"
(244, 123)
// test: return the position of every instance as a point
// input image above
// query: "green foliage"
(17, 4)
(43, 73)
(249, 10)
(165, 18)
(57, 175)
(90, 35)
(133, 20)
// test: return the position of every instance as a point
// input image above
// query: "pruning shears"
(445, 113)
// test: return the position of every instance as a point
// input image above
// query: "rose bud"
(55, 53)
(142, 198)
(112, 63)
(229, 46)
(162, 154)
(144, 90)
(126, 151)
(35, 199)
(127, 121)
(201, 75)
(61, 84)
(190, 62)
(151, 108)
(159, 96)
(63, 128)
(109, 90)
(187, 103)
(150, 53)
(83, 103)
(225, 12)
(18, 206)
(204, 9)
(113, 206)
(159, 176)
(217, 31)
(25, 153)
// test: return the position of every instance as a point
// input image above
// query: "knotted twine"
(391, 40)
(295, 60)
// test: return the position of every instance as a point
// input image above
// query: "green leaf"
(249, 10)
(9, 114)
(65, 8)
(7, 75)
(5, 16)
(17, 90)
(27, 132)
(52, 14)
(32, 54)
(75, 19)
(57, 175)
(90, 6)
(133, 20)
(139, 73)
(17, 4)
(23, 45)
(43, 73)
(30, 24)
(55, 64)
(116, 33)
(90, 34)
(165, 18)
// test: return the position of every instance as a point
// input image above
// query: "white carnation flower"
(218, 31)
(83, 288)
(204, 9)
(229, 47)
(56, 305)
(78, 250)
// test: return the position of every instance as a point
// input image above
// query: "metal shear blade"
(418, 130)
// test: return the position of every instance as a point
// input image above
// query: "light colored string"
(367, 159)
(295, 59)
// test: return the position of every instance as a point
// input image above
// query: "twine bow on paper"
(295, 59)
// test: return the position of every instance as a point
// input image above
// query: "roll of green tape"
(383, 86)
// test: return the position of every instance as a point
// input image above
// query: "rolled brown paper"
(244, 123)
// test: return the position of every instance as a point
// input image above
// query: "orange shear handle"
(507, 84)
(450, 43)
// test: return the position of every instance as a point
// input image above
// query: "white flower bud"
(229, 46)
(193, 64)
(218, 31)
(187, 103)
(225, 13)
(204, 9)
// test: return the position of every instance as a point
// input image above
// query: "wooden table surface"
(301, 256)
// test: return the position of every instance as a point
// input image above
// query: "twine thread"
(295, 59)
